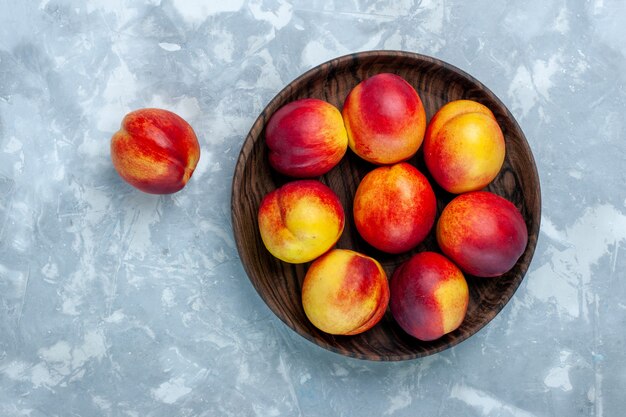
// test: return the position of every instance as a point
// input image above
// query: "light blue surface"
(118, 303)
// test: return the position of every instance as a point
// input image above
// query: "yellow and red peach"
(483, 233)
(394, 207)
(300, 220)
(464, 146)
(306, 138)
(345, 292)
(155, 151)
(385, 119)
(429, 296)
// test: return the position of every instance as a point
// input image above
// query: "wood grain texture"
(279, 283)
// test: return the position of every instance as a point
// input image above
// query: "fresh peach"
(306, 138)
(385, 119)
(429, 296)
(300, 220)
(483, 233)
(394, 207)
(155, 150)
(464, 146)
(345, 292)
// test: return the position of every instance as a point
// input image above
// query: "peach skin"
(155, 151)
(300, 220)
(429, 296)
(306, 138)
(483, 233)
(464, 146)
(385, 119)
(345, 292)
(394, 207)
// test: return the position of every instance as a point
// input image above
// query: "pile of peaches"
(383, 121)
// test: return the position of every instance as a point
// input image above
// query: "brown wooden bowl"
(279, 283)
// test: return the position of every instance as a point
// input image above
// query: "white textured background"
(118, 303)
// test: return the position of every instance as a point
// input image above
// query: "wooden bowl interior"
(279, 283)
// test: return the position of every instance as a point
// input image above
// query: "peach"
(464, 146)
(155, 151)
(385, 119)
(345, 292)
(306, 138)
(483, 233)
(429, 296)
(394, 207)
(300, 220)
